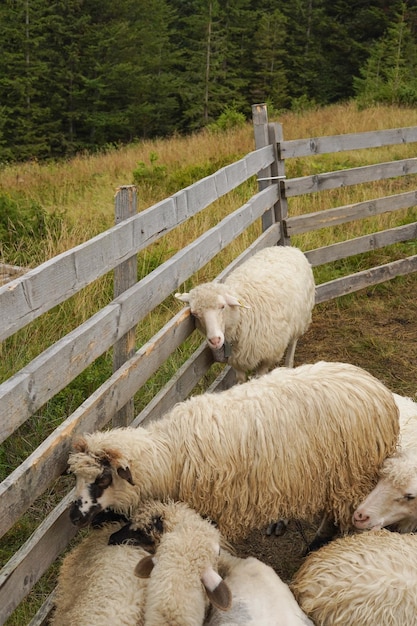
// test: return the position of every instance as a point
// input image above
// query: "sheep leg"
(289, 355)
(277, 528)
(325, 533)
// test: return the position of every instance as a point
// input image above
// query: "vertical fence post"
(125, 275)
(270, 134)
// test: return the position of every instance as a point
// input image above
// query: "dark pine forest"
(83, 75)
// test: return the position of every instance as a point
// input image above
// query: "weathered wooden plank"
(224, 380)
(342, 214)
(178, 387)
(348, 248)
(348, 141)
(28, 564)
(42, 616)
(125, 276)
(26, 298)
(345, 178)
(361, 280)
(30, 388)
(48, 461)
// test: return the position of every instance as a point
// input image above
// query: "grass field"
(375, 328)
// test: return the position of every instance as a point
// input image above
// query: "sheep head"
(97, 474)
(214, 309)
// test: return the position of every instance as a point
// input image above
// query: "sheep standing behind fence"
(260, 310)
(292, 443)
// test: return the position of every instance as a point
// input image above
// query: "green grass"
(81, 193)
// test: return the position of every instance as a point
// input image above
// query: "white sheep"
(183, 571)
(292, 443)
(364, 579)
(259, 596)
(394, 498)
(97, 585)
(260, 310)
(184, 541)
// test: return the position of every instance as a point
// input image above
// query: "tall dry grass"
(83, 189)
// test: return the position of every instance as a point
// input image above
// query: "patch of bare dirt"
(375, 329)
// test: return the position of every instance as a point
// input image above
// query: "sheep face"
(394, 498)
(100, 482)
(214, 309)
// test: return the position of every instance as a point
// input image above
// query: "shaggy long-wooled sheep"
(394, 498)
(183, 571)
(258, 596)
(252, 593)
(365, 579)
(97, 585)
(260, 310)
(292, 443)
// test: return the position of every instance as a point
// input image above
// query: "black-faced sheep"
(364, 579)
(97, 585)
(393, 501)
(292, 443)
(260, 310)
(258, 596)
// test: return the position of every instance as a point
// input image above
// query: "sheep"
(184, 564)
(292, 443)
(97, 585)
(259, 596)
(260, 310)
(393, 501)
(363, 579)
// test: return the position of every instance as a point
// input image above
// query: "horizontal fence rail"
(42, 288)
(27, 297)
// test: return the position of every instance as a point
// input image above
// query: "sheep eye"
(104, 480)
(409, 496)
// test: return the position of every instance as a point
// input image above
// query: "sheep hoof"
(276, 528)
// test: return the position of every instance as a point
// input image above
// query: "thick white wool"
(368, 579)
(293, 443)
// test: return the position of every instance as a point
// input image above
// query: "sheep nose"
(215, 342)
(75, 513)
(360, 517)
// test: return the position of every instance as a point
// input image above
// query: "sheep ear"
(124, 472)
(145, 566)
(184, 297)
(217, 590)
(233, 301)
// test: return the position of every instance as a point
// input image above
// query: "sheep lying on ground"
(260, 310)
(258, 596)
(181, 539)
(187, 552)
(97, 585)
(365, 579)
(394, 499)
(292, 443)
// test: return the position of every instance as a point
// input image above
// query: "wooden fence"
(35, 293)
